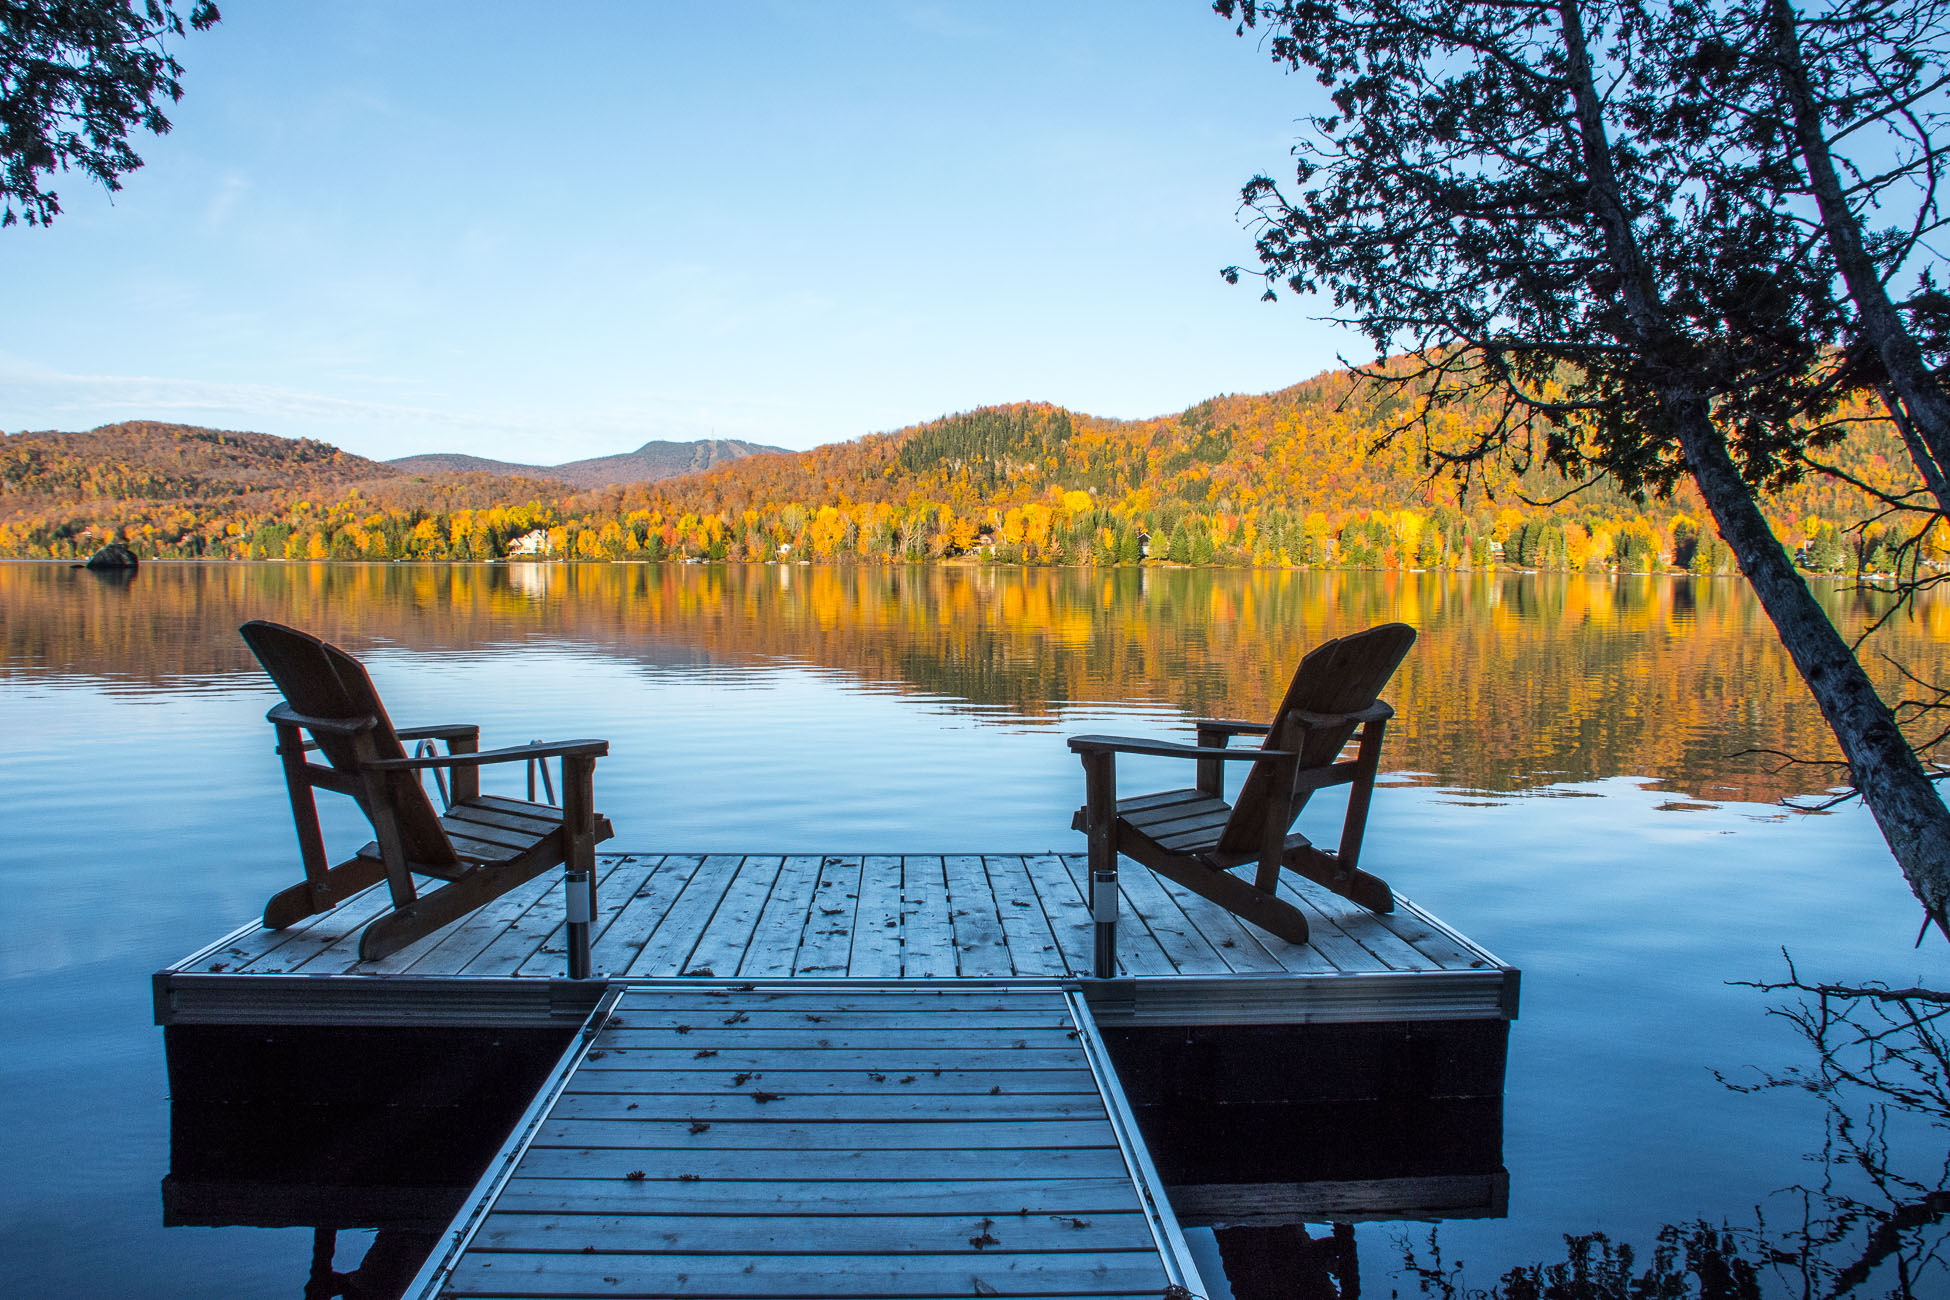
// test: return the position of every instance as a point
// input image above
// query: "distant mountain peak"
(654, 460)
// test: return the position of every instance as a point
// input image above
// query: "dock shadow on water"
(1872, 1219)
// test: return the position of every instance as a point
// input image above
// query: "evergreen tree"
(1533, 197)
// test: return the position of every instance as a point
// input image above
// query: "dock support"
(1103, 912)
(1099, 813)
(579, 886)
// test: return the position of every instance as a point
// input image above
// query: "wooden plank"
(1367, 945)
(453, 948)
(1138, 951)
(1069, 919)
(725, 940)
(855, 1234)
(644, 910)
(531, 819)
(1072, 1196)
(877, 920)
(577, 1273)
(981, 950)
(1025, 929)
(259, 951)
(964, 1014)
(837, 1166)
(330, 943)
(617, 1076)
(788, 1000)
(927, 936)
(520, 942)
(1136, 803)
(677, 1140)
(668, 949)
(614, 891)
(887, 1059)
(775, 939)
(1441, 946)
(1189, 952)
(934, 1033)
(827, 942)
(885, 1102)
(1241, 946)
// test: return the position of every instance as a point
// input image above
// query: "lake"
(1573, 787)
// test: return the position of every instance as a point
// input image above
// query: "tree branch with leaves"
(76, 78)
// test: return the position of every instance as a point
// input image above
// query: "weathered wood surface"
(939, 1153)
(873, 917)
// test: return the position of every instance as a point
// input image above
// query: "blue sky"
(543, 233)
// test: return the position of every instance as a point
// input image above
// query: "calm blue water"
(145, 815)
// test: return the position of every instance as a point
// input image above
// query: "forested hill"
(1300, 476)
(168, 462)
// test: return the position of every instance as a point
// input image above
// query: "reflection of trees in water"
(1871, 1223)
(1518, 679)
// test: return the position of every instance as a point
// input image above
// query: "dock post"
(577, 885)
(1103, 911)
(1100, 811)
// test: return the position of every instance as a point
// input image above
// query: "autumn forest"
(1303, 477)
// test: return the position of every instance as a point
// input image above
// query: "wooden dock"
(792, 1139)
(1357, 1076)
(1181, 959)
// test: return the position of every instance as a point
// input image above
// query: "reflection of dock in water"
(1236, 1079)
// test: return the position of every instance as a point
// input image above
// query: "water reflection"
(1873, 1220)
(1519, 680)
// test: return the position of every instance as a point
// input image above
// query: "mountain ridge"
(655, 460)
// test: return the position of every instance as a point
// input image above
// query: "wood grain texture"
(856, 1154)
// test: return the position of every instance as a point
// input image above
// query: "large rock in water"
(113, 556)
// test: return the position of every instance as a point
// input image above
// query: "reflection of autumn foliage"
(1517, 679)
(1293, 478)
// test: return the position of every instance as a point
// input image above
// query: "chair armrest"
(513, 754)
(447, 731)
(1232, 727)
(286, 715)
(1167, 749)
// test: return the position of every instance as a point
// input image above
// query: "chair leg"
(1269, 912)
(1371, 892)
(452, 901)
(310, 897)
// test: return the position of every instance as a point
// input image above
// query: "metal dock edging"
(1177, 1256)
(426, 1283)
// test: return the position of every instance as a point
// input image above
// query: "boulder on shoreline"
(114, 556)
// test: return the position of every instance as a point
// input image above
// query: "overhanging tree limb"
(1484, 178)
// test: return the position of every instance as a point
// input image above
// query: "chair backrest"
(322, 681)
(1344, 675)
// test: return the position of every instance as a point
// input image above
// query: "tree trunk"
(1922, 399)
(1900, 795)
(1884, 768)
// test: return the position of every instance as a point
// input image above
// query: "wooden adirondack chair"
(1195, 838)
(482, 847)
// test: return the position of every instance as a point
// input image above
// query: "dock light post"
(579, 885)
(1103, 911)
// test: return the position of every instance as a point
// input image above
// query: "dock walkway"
(817, 1139)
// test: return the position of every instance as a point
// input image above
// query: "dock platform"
(823, 1139)
(1181, 959)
